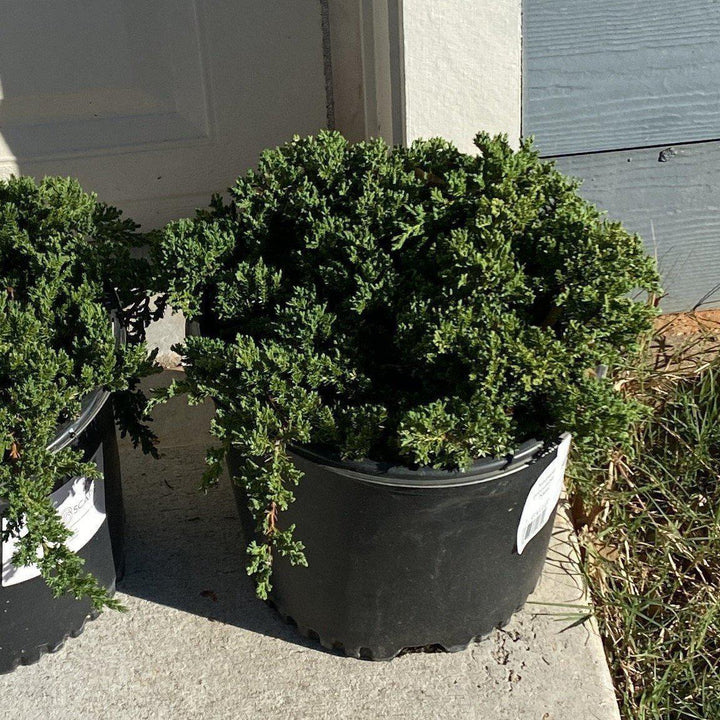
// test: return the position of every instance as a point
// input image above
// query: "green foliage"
(418, 305)
(65, 264)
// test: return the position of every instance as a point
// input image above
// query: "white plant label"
(80, 503)
(543, 497)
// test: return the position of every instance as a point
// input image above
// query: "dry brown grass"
(648, 525)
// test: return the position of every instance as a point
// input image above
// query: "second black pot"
(32, 621)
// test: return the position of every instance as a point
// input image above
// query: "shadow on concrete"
(184, 548)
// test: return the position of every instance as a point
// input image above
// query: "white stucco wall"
(462, 68)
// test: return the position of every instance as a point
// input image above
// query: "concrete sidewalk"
(195, 643)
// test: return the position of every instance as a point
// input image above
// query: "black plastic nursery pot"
(32, 621)
(401, 558)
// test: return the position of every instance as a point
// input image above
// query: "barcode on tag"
(543, 497)
(533, 528)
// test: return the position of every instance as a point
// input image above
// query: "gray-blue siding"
(626, 96)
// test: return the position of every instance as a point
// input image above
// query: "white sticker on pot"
(543, 497)
(81, 505)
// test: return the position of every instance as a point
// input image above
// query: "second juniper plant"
(66, 264)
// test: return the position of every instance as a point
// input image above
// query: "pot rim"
(67, 433)
(482, 470)
(91, 404)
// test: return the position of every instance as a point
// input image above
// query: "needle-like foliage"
(417, 305)
(65, 265)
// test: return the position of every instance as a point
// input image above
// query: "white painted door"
(155, 105)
